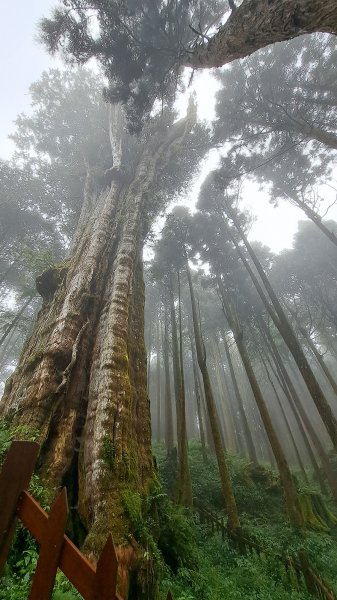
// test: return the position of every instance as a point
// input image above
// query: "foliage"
(257, 489)
(139, 44)
(222, 571)
(162, 528)
(193, 562)
(277, 109)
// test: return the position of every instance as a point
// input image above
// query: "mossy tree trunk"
(81, 379)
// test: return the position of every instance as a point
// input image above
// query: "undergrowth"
(222, 571)
(16, 580)
(191, 561)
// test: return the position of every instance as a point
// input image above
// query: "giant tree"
(81, 379)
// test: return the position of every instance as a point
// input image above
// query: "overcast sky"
(22, 61)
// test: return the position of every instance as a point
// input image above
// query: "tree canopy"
(144, 45)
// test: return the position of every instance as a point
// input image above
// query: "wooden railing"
(210, 518)
(56, 551)
(297, 566)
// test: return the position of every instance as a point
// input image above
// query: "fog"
(168, 323)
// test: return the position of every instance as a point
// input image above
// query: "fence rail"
(56, 551)
(296, 566)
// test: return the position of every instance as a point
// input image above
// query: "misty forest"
(179, 376)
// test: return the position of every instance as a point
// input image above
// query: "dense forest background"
(119, 289)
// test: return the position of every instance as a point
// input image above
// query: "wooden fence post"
(50, 549)
(14, 478)
(106, 572)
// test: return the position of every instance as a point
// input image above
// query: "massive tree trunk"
(81, 379)
(258, 23)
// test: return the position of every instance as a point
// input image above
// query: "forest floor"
(221, 571)
(194, 562)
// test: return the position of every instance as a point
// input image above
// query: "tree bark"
(258, 23)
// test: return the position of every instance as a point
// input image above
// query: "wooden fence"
(56, 551)
(210, 518)
(297, 567)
